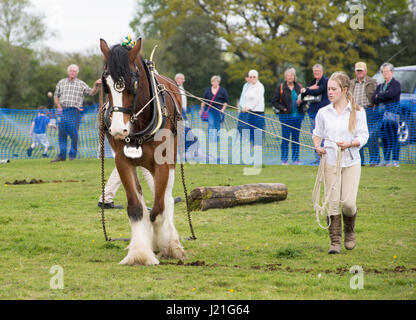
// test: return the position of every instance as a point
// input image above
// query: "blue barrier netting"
(392, 132)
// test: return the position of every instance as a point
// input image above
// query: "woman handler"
(341, 124)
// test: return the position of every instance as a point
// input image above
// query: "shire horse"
(128, 82)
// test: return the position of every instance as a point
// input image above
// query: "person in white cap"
(254, 102)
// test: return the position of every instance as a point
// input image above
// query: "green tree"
(18, 26)
(16, 64)
(42, 80)
(192, 49)
(383, 20)
(273, 35)
(403, 52)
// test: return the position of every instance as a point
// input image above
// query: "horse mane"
(118, 63)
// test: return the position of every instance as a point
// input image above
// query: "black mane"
(118, 64)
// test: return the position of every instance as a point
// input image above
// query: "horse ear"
(104, 48)
(133, 53)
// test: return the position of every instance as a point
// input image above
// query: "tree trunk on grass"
(204, 198)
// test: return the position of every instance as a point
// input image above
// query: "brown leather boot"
(349, 233)
(335, 234)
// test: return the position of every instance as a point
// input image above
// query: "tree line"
(201, 38)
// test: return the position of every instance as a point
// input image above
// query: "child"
(38, 132)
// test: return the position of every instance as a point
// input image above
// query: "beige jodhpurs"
(345, 192)
(111, 187)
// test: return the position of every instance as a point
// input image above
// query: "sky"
(79, 24)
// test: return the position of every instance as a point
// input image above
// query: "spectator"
(189, 137)
(69, 97)
(38, 132)
(218, 98)
(51, 102)
(287, 106)
(180, 79)
(387, 99)
(317, 89)
(362, 88)
(242, 115)
(51, 110)
(345, 122)
(254, 103)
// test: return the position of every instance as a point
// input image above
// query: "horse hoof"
(174, 251)
(140, 260)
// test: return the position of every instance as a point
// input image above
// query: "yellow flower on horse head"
(128, 42)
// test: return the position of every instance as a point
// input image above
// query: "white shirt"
(331, 125)
(183, 96)
(254, 97)
(243, 92)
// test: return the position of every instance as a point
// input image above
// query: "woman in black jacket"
(286, 104)
(387, 101)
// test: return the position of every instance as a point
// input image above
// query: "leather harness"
(159, 112)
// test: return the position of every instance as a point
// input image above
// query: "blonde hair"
(344, 82)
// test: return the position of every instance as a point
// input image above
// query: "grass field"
(264, 251)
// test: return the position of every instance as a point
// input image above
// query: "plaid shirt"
(71, 93)
(359, 94)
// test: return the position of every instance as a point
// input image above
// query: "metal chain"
(101, 112)
(185, 190)
(102, 124)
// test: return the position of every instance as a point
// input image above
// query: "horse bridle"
(159, 116)
(120, 86)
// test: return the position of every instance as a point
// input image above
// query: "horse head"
(120, 81)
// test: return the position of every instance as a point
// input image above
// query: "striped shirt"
(71, 93)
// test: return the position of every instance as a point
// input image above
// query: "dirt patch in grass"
(279, 267)
(40, 181)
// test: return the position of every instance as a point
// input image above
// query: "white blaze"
(118, 126)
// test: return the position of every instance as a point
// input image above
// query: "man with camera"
(316, 95)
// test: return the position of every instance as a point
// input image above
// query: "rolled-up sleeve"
(85, 88)
(319, 125)
(361, 130)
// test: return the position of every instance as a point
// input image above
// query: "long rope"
(320, 179)
(253, 126)
(321, 209)
(190, 95)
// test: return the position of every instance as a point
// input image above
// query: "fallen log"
(204, 198)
